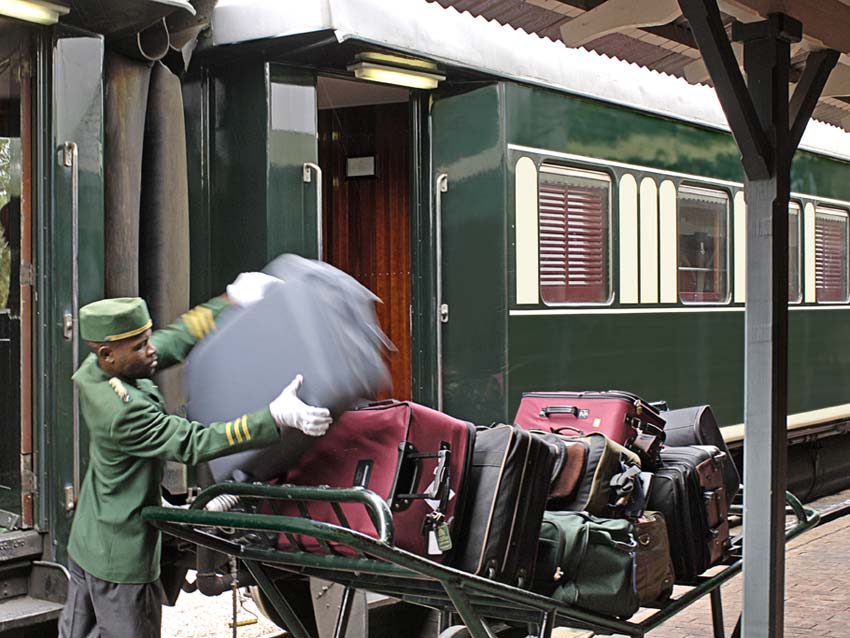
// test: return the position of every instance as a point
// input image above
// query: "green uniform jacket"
(131, 436)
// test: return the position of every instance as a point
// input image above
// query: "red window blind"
(831, 257)
(573, 226)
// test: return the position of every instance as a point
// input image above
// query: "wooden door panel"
(367, 219)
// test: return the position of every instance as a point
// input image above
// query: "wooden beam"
(616, 15)
(826, 21)
(819, 65)
(707, 27)
(838, 84)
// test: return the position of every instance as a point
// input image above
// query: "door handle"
(441, 185)
(309, 169)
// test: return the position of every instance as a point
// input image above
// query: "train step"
(26, 611)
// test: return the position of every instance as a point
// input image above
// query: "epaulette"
(120, 390)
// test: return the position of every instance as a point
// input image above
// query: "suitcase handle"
(408, 473)
(580, 413)
(561, 428)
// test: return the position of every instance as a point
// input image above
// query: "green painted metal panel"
(261, 131)
(238, 170)
(469, 146)
(569, 124)
(292, 142)
(196, 110)
(77, 116)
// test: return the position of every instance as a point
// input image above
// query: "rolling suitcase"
(697, 426)
(415, 458)
(623, 417)
(688, 490)
(509, 483)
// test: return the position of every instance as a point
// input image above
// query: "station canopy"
(653, 34)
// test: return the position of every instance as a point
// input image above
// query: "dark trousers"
(100, 609)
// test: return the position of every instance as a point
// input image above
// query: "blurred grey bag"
(320, 323)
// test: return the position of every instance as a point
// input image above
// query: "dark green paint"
(292, 141)
(258, 204)
(469, 145)
(423, 293)
(76, 62)
(196, 92)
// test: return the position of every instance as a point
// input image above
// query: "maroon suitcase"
(415, 458)
(624, 418)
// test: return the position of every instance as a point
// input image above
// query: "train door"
(472, 273)
(364, 154)
(15, 431)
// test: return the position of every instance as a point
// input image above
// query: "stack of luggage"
(589, 516)
(596, 499)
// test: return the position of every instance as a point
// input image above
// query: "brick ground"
(817, 601)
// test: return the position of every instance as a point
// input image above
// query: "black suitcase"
(688, 490)
(697, 426)
(509, 483)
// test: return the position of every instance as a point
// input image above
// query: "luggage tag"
(439, 537)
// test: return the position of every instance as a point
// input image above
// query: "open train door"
(469, 204)
(50, 261)
(69, 268)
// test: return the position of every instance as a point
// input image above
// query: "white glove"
(250, 287)
(290, 411)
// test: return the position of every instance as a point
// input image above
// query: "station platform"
(817, 600)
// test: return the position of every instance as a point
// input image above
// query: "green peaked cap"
(114, 319)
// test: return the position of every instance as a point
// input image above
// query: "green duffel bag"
(588, 562)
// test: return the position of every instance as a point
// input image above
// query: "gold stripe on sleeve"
(192, 324)
(207, 317)
(245, 427)
(236, 430)
(227, 431)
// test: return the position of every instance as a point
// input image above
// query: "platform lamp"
(37, 11)
(396, 69)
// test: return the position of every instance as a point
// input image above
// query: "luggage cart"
(360, 562)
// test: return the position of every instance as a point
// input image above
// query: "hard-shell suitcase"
(324, 328)
(583, 482)
(688, 490)
(509, 482)
(696, 425)
(623, 417)
(415, 458)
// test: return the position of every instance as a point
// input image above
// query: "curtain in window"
(831, 257)
(573, 243)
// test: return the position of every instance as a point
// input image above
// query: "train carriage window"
(703, 217)
(575, 236)
(831, 255)
(795, 289)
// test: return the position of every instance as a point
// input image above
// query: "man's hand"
(250, 287)
(290, 411)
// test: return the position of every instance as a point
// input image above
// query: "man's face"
(133, 358)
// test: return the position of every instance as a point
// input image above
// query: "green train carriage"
(533, 221)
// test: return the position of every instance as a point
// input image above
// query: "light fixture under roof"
(395, 69)
(37, 11)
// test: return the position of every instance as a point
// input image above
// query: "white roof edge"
(444, 35)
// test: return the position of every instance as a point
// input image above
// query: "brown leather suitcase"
(653, 564)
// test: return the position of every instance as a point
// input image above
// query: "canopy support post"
(767, 131)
